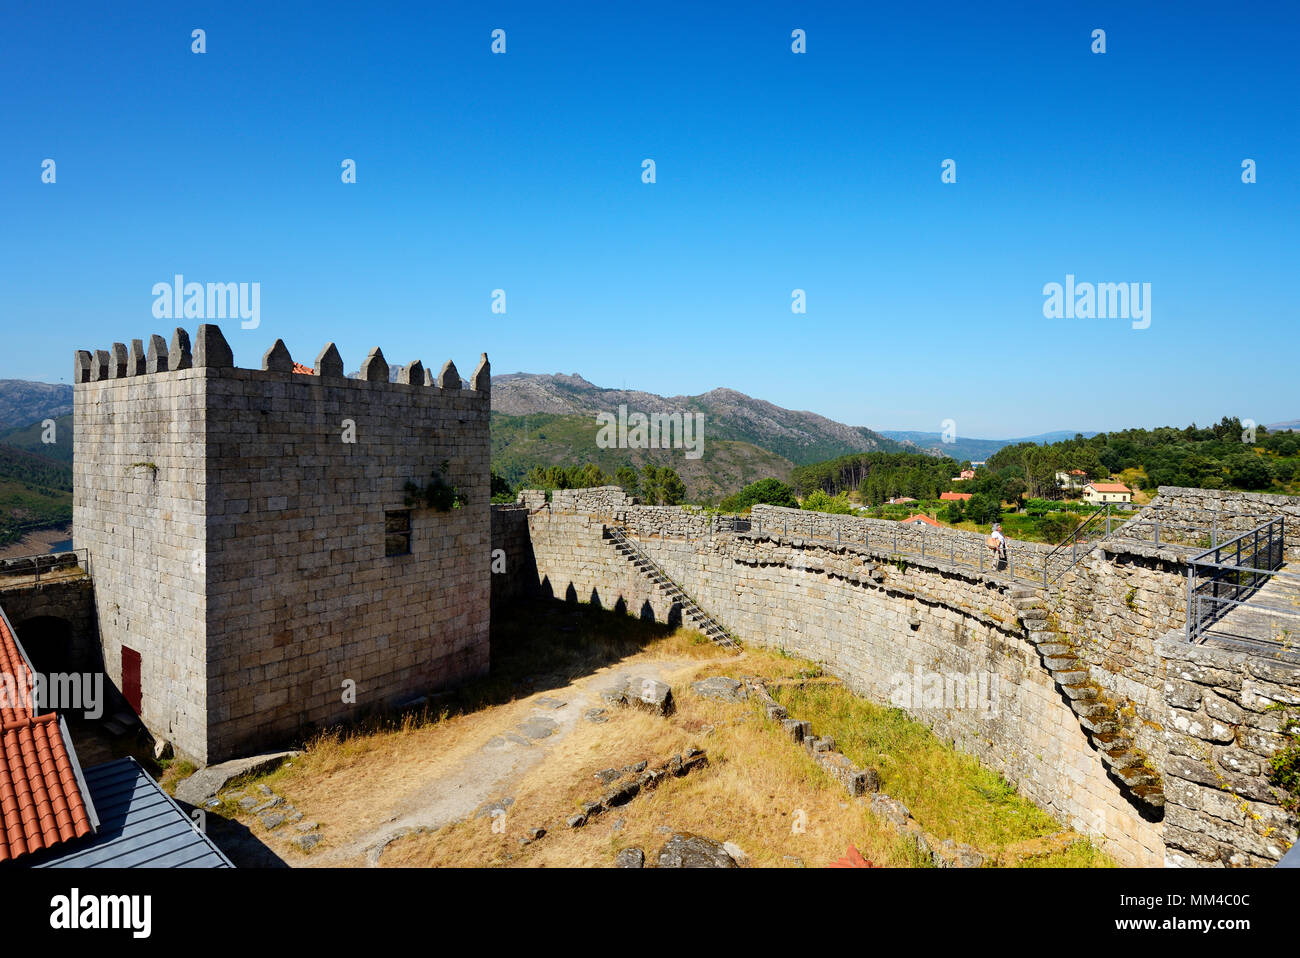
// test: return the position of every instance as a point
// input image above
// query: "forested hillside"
(1215, 457)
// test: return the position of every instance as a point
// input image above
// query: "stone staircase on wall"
(1099, 719)
(692, 614)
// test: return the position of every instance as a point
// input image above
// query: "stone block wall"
(875, 624)
(1112, 606)
(510, 536)
(595, 501)
(236, 525)
(672, 522)
(885, 629)
(71, 601)
(1197, 713)
(576, 564)
(301, 597)
(1228, 512)
(138, 508)
(968, 548)
(1220, 733)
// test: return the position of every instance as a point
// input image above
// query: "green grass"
(949, 793)
(1080, 854)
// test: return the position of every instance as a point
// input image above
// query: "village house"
(1102, 492)
(1071, 481)
(920, 519)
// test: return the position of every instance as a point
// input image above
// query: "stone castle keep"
(253, 554)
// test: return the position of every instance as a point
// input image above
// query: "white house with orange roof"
(1072, 480)
(920, 519)
(1103, 492)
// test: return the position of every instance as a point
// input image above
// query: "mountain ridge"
(801, 436)
(25, 401)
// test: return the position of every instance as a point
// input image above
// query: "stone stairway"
(1099, 719)
(692, 614)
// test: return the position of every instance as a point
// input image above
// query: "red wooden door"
(131, 678)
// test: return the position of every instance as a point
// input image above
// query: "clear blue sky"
(775, 171)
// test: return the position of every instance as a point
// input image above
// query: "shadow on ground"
(242, 847)
(540, 644)
(537, 644)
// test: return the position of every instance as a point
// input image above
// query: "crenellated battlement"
(210, 351)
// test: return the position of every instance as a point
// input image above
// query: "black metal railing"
(1078, 543)
(1018, 560)
(1224, 577)
(1041, 564)
(46, 565)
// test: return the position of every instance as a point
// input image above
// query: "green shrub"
(437, 494)
(1284, 766)
(772, 492)
(818, 501)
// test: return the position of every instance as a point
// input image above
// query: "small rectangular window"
(397, 532)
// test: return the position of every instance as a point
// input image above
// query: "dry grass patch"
(760, 791)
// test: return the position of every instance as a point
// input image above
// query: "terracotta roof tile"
(955, 496)
(41, 803)
(15, 680)
(1110, 487)
(921, 517)
(302, 370)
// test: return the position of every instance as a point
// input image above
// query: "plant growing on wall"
(1284, 766)
(437, 493)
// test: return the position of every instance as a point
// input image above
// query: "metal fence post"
(1191, 590)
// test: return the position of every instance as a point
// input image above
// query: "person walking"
(997, 544)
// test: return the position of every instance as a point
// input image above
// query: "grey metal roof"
(139, 826)
(1292, 858)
